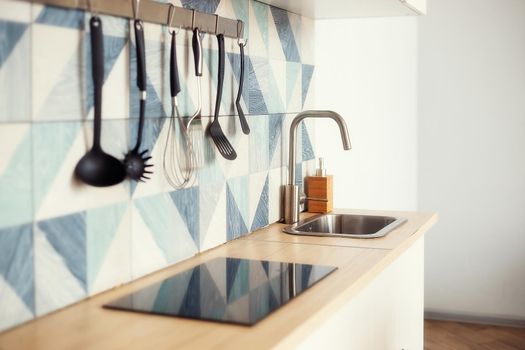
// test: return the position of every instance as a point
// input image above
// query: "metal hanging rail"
(156, 12)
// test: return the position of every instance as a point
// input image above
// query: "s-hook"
(171, 16)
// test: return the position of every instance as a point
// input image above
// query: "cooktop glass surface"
(226, 290)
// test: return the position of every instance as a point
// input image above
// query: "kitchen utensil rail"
(156, 12)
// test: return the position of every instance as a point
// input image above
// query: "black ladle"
(135, 160)
(97, 168)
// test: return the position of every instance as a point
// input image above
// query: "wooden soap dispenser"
(320, 191)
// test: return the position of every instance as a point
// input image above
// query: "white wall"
(472, 155)
(366, 69)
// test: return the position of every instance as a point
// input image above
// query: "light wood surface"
(444, 335)
(87, 325)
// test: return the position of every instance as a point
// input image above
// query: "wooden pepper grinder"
(320, 191)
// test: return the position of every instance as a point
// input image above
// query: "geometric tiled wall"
(60, 240)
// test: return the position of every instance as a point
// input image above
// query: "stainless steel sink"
(346, 225)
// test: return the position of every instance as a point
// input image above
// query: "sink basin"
(346, 225)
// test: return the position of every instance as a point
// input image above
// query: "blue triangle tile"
(102, 225)
(210, 57)
(132, 187)
(235, 226)
(239, 188)
(150, 135)
(275, 130)
(55, 16)
(187, 203)
(154, 105)
(308, 71)
(292, 75)
(17, 262)
(16, 184)
(208, 6)
(113, 47)
(51, 143)
(157, 213)
(274, 100)
(257, 104)
(240, 8)
(235, 62)
(67, 235)
(261, 214)
(286, 36)
(211, 183)
(261, 15)
(65, 102)
(10, 35)
(308, 151)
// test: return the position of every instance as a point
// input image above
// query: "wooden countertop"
(86, 325)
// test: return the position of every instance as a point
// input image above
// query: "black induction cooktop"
(225, 290)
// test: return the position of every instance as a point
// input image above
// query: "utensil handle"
(141, 56)
(242, 118)
(220, 76)
(174, 69)
(97, 59)
(141, 76)
(196, 43)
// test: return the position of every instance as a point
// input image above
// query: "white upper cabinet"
(327, 9)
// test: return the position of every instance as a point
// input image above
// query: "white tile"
(145, 253)
(16, 11)
(215, 234)
(14, 311)
(256, 184)
(276, 182)
(116, 267)
(56, 287)
(62, 193)
(57, 79)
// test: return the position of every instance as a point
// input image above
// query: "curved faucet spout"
(293, 136)
(292, 196)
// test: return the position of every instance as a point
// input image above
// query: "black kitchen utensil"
(179, 161)
(223, 145)
(135, 160)
(196, 44)
(97, 168)
(244, 123)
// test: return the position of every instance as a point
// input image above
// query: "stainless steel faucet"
(292, 197)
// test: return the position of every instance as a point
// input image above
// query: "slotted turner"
(221, 142)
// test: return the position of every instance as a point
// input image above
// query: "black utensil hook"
(136, 160)
(242, 44)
